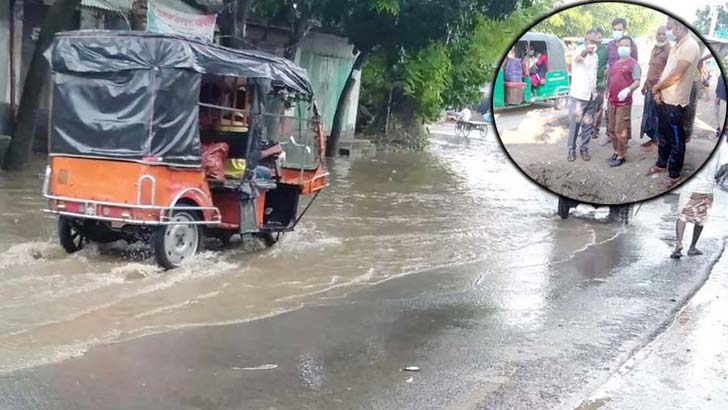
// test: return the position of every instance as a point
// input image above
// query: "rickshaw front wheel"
(561, 103)
(71, 238)
(176, 243)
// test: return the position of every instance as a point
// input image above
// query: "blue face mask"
(670, 35)
(616, 34)
(623, 51)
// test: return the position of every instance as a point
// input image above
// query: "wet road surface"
(449, 260)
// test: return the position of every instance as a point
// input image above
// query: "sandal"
(655, 170)
(676, 254)
(669, 182)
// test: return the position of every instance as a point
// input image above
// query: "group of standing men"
(612, 72)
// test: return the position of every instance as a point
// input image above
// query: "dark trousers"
(692, 108)
(671, 138)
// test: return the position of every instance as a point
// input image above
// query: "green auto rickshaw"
(544, 84)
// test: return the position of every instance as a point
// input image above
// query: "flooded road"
(449, 257)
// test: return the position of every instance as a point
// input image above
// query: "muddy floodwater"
(448, 260)
(381, 218)
(460, 203)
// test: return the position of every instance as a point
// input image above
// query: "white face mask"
(661, 43)
(670, 35)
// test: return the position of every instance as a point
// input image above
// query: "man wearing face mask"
(619, 29)
(626, 76)
(582, 96)
(672, 95)
(658, 60)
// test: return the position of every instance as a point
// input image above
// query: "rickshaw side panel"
(557, 85)
(309, 182)
(128, 183)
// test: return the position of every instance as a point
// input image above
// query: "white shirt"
(583, 75)
(466, 114)
(704, 181)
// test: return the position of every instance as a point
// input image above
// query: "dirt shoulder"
(536, 140)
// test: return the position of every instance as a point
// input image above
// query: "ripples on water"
(383, 217)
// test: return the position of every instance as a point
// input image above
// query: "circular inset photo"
(610, 103)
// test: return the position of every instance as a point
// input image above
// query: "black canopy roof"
(102, 51)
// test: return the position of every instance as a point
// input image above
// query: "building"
(328, 58)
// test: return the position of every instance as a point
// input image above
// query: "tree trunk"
(21, 146)
(338, 124)
(389, 112)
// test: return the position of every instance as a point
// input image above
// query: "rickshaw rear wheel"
(483, 131)
(71, 238)
(621, 213)
(269, 238)
(175, 244)
(565, 206)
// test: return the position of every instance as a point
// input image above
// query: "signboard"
(161, 19)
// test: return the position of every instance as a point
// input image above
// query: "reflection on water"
(456, 205)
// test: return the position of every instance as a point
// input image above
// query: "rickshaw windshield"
(293, 125)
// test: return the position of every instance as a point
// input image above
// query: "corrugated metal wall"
(328, 75)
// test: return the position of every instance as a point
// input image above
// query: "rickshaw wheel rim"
(181, 240)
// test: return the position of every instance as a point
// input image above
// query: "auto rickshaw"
(166, 140)
(552, 87)
(622, 213)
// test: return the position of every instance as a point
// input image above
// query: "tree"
(576, 21)
(703, 19)
(474, 57)
(415, 40)
(20, 150)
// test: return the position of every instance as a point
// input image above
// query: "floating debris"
(411, 369)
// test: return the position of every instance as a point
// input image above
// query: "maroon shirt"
(624, 73)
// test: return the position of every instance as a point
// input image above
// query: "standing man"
(582, 96)
(696, 199)
(672, 95)
(625, 79)
(619, 29)
(601, 82)
(658, 60)
(692, 108)
(720, 103)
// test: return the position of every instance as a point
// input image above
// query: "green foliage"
(385, 6)
(475, 56)
(576, 21)
(425, 77)
(702, 19)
